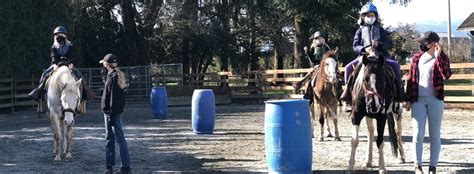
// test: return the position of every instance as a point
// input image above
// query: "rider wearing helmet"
(369, 38)
(314, 54)
(61, 54)
(317, 49)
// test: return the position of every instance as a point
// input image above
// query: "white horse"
(63, 96)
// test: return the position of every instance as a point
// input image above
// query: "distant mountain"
(441, 27)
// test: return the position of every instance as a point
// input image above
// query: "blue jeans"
(431, 108)
(114, 132)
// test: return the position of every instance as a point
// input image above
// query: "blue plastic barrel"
(159, 104)
(288, 143)
(203, 110)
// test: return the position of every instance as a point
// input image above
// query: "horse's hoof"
(56, 162)
(321, 139)
(329, 135)
(401, 160)
(382, 171)
(68, 157)
(368, 164)
(338, 139)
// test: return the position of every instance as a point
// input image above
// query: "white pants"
(432, 108)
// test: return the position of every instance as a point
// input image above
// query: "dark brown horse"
(324, 86)
(372, 96)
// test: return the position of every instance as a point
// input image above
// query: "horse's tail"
(393, 135)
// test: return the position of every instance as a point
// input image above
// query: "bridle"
(370, 95)
(71, 110)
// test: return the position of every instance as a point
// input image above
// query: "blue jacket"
(365, 34)
(64, 50)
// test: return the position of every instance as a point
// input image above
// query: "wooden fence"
(268, 80)
(259, 85)
(14, 93)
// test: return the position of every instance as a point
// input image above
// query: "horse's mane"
(360, 80)
(61, 77)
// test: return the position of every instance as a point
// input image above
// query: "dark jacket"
(113, 97)
(315, 53)
(366, 33)
(65, 51)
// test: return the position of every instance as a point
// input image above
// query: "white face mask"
(320, 41)
(369, 20)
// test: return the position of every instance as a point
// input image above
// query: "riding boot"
(309, 75)
(300, 83)
(346, 94)
(38, 92)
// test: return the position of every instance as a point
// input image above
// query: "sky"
(426, 14)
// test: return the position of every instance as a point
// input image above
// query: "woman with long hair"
(112, 104)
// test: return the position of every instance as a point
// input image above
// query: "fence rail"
(14, 93)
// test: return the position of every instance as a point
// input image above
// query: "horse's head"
(329, 65)
(372, 82)
(70, 101)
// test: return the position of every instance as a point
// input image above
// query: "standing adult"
(425, 95)
(113, 103)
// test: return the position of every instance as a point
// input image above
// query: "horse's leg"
(321, 122)
(68, 142)
(380, 132)
(355, 139)
(399, 136)
(370, 140)
(63, 138)
(312, 110)
(56, 127)
(334, 119)
(327, 116)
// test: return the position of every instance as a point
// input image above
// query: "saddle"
(88, 94)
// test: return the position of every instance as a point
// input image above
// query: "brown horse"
(324, 84)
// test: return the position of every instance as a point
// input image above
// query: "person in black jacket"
(62, 53)
(112, 104)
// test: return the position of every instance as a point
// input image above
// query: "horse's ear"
(365, 60)
(335, 50)
(79, 82)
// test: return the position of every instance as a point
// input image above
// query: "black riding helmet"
(59, 29)
(316, 35)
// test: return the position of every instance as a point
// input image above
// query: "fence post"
(13, 100)
(147, 75)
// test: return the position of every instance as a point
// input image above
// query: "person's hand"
(71, 66)
(108, 119)
(305, 48)
(368, 49)
(407, 106)
(438, 49)
(55, 67)
(374, 43)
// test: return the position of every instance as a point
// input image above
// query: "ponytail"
(122, 82)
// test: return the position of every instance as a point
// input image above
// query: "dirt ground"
(236, 147)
